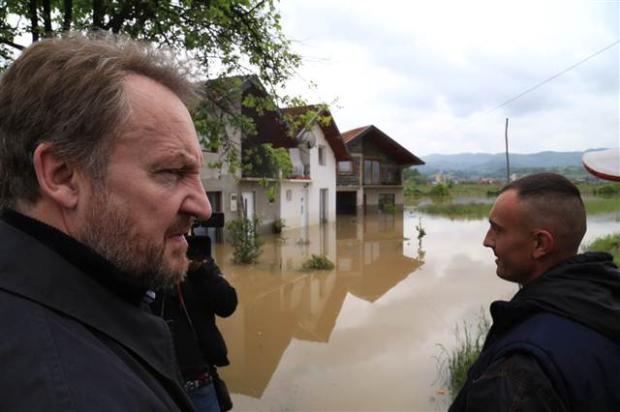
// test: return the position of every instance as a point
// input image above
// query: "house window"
(372, 172)
(289, 195)
(345, 167)
(322, 155)
(386, 202)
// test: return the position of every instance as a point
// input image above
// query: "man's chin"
(177, 268)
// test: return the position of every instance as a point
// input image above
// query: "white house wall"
(323, 177)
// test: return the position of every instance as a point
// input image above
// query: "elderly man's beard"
(109, 231)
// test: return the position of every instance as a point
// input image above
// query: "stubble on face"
(108, 230)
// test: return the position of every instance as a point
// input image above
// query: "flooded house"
(372, 179)
(306, 196)
(319, 148)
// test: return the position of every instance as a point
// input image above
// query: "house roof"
(385, 142)
(269, 124)
(330, 130)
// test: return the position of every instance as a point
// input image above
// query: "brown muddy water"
(364, 336)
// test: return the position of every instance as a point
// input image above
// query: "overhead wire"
(555, 76)
(478, 116)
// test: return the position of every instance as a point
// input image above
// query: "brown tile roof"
(330, 130)
(383, 141)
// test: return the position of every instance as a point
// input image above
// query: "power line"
(609, 46)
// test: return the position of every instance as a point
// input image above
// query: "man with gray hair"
(99, 182)
(555, 346)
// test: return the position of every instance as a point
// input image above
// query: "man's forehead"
(507, 205)
(166, 144)
(173, 150)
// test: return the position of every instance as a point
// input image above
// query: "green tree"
(223, 36)
(227, 41)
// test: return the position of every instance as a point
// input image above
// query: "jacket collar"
(32, 270)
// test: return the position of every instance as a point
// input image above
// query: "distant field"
(447, 199)
(602, 205)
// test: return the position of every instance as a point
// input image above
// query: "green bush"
(245, 240)
(318, 263)
(278, 225)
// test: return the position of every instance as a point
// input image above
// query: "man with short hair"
(555, 346)
(99, 181)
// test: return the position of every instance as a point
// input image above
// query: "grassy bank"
(458, 210)
(415, 192)
(609, 244)
(602, 205)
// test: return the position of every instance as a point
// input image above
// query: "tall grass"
(454, 363)
(609, 244)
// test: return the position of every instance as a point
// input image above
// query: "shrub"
(318, 263)
(245, 240)
(278, 225)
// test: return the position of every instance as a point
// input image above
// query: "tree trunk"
(68, 17)
(47, 16)
(97, 14)
(34, 21)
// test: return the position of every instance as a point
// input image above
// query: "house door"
(323, 206)
(248, 204)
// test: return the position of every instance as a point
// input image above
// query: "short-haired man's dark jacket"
(555, 346)
(102, 351)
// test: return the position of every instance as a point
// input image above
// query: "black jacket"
(206, 293)
(554, 346)
(69, 343)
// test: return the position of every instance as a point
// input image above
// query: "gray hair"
(69, 92)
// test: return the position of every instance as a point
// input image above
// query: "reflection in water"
(363, 336)
(278, 302)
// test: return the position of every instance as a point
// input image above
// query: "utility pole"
(507, 158)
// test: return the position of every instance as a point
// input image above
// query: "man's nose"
(488, 241)
(197, 203)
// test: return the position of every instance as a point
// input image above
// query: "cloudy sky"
(431, 74)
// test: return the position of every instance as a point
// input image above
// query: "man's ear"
(58, 179)
(544, 243)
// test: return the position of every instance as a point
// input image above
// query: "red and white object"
(604, 164)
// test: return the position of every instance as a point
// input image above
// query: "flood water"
(364, 336)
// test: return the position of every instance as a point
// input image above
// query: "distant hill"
(485, 165)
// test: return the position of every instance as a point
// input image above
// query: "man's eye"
(170, 174)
